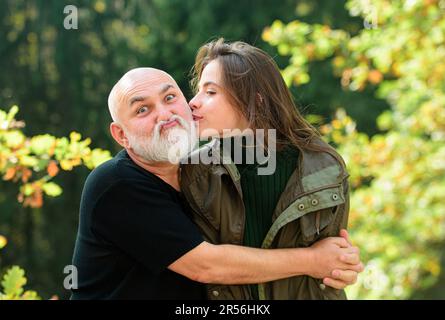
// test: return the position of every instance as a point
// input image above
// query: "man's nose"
(164, 114)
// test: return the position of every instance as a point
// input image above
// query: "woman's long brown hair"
(253, 82)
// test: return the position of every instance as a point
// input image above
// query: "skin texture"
(212, 104)
(160, 98)
(145, 96)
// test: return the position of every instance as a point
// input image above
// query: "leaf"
(10, 173)
(26, 174)
(12, 112)
(42, 144)
(375, 76)
(66, 165)
(74, 136)
(29, 161)
(28, 189)
(3, 241)
(96, 158)
(385, 120)
(51, 189)
(35, 200)
(14, 139)
(30, 295)
(52, 169)
(13, 281)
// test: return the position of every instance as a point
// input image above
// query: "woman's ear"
(118, 134)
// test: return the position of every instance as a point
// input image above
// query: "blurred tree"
(398, 176)
(33, 163)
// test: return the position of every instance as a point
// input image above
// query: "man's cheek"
(185, 112)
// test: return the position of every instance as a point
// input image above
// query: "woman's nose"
(194, 103)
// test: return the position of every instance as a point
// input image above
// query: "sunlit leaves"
(34, 161)
(3, 241)
(51, 189)
(52, 168)
(13, 139)
(397, 208)
(95, 158)
(12, 283)
(304, 43)
(397, 214)
(42, 144)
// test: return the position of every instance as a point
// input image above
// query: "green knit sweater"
(261, 194)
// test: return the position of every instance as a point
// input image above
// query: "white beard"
(174, 145)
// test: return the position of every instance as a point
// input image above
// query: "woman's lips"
(197, 118)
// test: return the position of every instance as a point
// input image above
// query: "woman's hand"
(336, 261)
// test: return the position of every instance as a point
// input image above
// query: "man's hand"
(336, 261)
(343, 278)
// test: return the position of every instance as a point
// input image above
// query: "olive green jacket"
(314, 205)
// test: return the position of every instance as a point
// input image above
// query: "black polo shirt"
(132, 226)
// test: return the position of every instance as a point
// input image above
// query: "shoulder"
(118, 173)
(325, 166)
(200, 161)
(324, 157)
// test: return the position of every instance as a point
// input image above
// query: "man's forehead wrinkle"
(148, 88)
(141, 82)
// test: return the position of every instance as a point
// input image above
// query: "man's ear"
(118, 134)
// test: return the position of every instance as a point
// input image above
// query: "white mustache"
(180, 120)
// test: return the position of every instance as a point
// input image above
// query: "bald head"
(132, 81)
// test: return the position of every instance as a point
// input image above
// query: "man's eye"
(210, 92)
(169, 97)
(142, 109)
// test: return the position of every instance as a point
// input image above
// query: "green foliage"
(3, 241)
(35, 161)
(13, 282)
(397, 212)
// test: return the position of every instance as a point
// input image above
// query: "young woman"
(305, 199)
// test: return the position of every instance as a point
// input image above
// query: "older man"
(135, 239)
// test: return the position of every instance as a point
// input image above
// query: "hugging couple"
(155, 225)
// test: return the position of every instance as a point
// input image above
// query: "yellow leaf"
(74, 136)
(3, 241)
(375, 76)
(66, 165)
(52, 169)
(10, 173)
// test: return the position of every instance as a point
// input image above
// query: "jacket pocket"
(318, 223)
